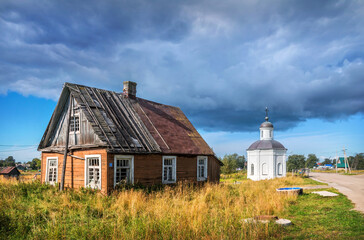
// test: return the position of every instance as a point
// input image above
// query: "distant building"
(341, 163)
(266, 157)
(9, 172)
(23, 166)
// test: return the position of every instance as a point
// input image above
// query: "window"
(279, 168)
(252, 169)
(52, 170)
(75, 123)
(93, 171)
(201, 168)
(169, 169)
(123, 169)
(261, 133)
(264, 169)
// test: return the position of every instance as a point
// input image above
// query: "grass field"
(34, 211)
(353, 172)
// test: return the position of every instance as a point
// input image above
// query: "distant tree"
(327, 161)
(231, 163)
(311, 161)
(8, 162)
(358, 161)
(295, 162)
(35, 163)
(241, 161)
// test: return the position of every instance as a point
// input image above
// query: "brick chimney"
(129, 89)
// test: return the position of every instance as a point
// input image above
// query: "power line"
(16, 150)
(17, 145)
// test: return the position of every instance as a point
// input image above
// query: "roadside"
(317, 217)
(350, 185)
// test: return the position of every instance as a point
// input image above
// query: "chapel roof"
(266, 145)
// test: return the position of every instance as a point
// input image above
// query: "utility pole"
(70, 105)
(336, 162)
(346, 162)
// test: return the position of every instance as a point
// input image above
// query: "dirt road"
(350, 185)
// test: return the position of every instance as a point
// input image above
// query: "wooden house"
(113, 138)
(9, 172)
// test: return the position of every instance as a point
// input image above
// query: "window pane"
(75, 123)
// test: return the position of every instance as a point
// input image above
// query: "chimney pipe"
(129, 89)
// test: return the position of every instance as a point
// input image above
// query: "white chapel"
(266, 157)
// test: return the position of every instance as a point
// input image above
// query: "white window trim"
(206, 166)
(174, 169)
(86, 168)
(47, 166)
(131, 157)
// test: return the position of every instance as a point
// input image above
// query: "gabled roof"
(8, 170)
(130, 125)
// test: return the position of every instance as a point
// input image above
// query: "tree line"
(10, 162)
(232, 162)
(300, 161)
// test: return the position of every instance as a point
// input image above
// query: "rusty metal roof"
(132, 125)
(171, 129)
(8, 170)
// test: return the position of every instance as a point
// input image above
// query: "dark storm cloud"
(222, 62)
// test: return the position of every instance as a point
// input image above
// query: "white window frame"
(174, 169)
(79, 122)
(131, 166)
(252, 169)
(204, 178)
(86, 168)
(47, 169)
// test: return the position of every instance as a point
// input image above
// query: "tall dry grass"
(33, 210)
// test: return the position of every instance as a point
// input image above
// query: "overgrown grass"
(318, 217)
(37, 211)
(233, 177)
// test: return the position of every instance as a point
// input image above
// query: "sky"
(221, 62)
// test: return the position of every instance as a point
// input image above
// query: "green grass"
(233, 177)
(37, 211)
(318, 217)
(309, 181)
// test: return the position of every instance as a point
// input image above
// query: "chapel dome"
(266, 124)
(266, 144)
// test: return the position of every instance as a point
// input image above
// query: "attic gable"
(107, 120)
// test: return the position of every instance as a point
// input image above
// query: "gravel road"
(350, 185)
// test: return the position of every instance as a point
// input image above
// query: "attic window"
(75, 123)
